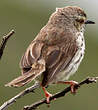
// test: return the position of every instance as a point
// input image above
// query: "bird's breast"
(74, 64)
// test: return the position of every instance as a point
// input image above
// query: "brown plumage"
(45, 58)
(57, 50)
(52, 50)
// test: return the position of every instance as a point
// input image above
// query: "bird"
(56, 52)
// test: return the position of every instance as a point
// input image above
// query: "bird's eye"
(80, 20)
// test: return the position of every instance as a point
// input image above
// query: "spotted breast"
(74, 64)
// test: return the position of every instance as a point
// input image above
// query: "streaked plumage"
(57, 50)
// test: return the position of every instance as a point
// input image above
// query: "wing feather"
(59, 59)
(31, 56)
(31, 64)
(29, 76)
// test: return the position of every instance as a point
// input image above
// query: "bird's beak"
(89, 22)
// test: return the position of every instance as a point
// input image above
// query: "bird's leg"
(47, 94)
(72, 84)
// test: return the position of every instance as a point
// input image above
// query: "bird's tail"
(28, 76)
(21, 80)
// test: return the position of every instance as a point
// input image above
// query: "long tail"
(21, 80)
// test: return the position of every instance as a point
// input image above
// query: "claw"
(72, 84)
(47, 94)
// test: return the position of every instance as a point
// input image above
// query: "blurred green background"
(27, 17)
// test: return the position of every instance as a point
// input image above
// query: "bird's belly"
(74, 64)
(72, 68)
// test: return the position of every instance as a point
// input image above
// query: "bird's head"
(72, 16)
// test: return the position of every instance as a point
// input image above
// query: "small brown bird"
(56, 52)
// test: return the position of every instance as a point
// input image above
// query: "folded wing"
(31, 64)
(58, 59)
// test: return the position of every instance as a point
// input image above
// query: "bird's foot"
(72, 84)
(47, 94)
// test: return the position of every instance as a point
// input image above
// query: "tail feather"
(36, 70)
(21, 80)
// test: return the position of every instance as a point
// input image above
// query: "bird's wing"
(58, 59)
(31, 56)
(31, 64)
